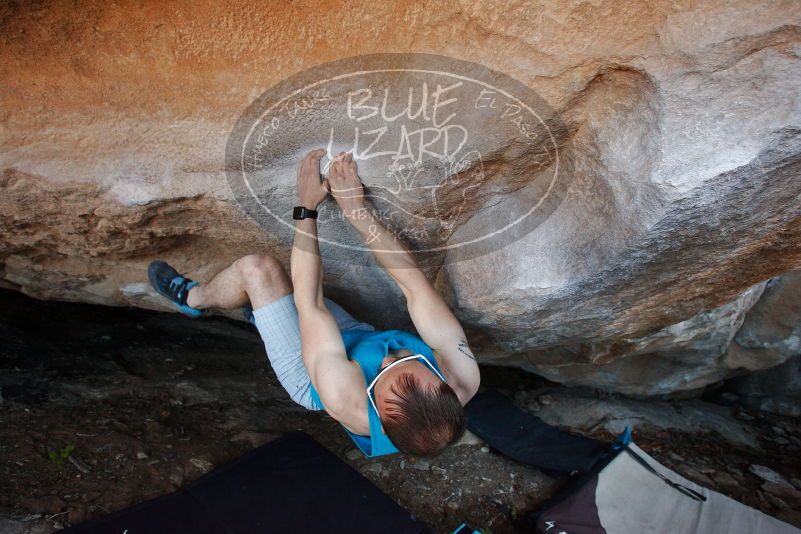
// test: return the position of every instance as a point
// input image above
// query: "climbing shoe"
(171, 285)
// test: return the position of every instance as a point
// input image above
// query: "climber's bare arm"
(336, 379)
(432, 317)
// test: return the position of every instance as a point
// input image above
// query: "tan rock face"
(681, 166)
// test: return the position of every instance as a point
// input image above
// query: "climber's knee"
(264, 278)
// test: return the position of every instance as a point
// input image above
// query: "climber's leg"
(261, 284)
(255, 279)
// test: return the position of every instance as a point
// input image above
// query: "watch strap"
(299, 213)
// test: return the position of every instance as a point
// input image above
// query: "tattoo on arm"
(465, 349)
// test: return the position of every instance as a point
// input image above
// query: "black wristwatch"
(300, 213)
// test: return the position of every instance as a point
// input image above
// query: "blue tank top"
(369, 349)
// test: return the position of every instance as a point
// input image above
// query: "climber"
(390, 390)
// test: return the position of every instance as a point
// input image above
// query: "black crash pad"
(528, 439)
(292, 484)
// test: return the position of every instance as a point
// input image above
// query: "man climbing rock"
(390, 390)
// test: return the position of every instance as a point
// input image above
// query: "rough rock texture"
(682, 356)
(771, 332)
(684, 189)
(776, 390)
(579, 409)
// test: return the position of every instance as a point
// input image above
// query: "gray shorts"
(280, 330)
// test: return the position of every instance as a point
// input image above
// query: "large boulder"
(682, 174)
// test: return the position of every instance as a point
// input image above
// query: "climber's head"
(420, 413)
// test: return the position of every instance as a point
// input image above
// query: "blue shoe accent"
(464, 529)
(623, 440)
(185, 309)
(174, 287)
(247, 311)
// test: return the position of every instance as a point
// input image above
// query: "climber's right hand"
(345, 185)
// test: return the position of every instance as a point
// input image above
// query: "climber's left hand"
(312, 189)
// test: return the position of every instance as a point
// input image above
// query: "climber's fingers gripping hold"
(312, 190)
(346, 187)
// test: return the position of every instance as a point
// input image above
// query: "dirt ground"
(151, 401)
